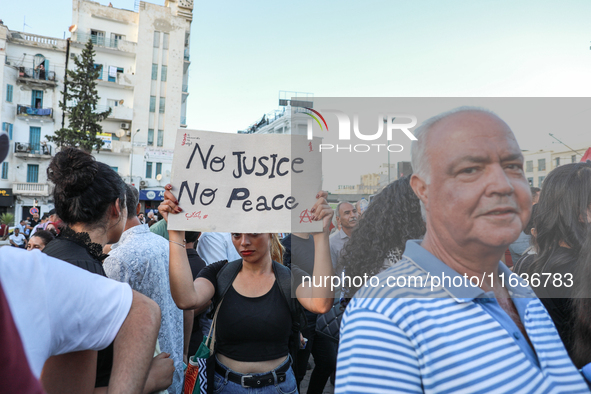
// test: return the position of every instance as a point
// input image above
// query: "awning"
(151, 195)
(586, 156)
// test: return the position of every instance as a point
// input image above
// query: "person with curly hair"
(562, 228)
(377, 242)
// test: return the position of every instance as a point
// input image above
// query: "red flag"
(586, 156)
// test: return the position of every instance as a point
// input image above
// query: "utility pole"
(66, 80)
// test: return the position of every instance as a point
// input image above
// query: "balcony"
(183, 121)
(185, 89)
(25, 149)
(118, 112)
(123, 81)
(29, 112)
(187, 55)
(103, 42)
(36, 78)
(31, 189)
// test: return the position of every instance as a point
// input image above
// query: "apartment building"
(143, 57)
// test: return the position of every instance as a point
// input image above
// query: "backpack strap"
(283, 277)
(225, 278)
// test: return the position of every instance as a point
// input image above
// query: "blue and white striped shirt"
(449, 339)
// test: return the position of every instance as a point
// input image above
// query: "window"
(152, 103)
(112, 103)
(557, 161)
(529, 166)
(97, 37)
(116, 169)
(542, 165)
(530, 181)
(113, 71)
(9, 93)
(149, 169)
(158, 169)
(154, 72)
(165, 41)
(100, 70)
(37, 99)
(156, 39)
(573, 159)
(160, 137)
(32, 173)
(5, 170)
(163, 74)
(8, 128)
(162, 104)
(540, 180)
(115, 38)
(35, 139)
(150, 137)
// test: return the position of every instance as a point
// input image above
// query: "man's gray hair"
(419, 161)
(131, 200)
(418, 158)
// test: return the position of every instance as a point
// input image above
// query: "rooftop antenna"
(552, 135)
(25, 23)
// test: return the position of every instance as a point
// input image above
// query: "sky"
(244, 53)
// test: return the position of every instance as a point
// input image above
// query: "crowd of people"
(478, 283)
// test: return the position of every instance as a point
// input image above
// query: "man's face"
(478, 195)
(141, 216)
(348, 216)
(35, 217)
(16, 231)
(535, 198)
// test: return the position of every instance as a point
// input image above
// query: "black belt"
(255, 381)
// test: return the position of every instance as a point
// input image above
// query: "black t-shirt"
(556, 299)
(251, 328)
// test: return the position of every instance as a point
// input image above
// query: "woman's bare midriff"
(245, 367)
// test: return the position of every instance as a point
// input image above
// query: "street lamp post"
(131, 158)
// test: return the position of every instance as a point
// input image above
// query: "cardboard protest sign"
(245, 183)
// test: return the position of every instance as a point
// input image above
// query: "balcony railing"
(39, 148)
(105, 42)
(27, 110)
(31, 189)
(187, 54)
(185, 88)
(183, 120)
(41, 75)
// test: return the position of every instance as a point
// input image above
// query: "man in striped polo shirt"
(446, 318)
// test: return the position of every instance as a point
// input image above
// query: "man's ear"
(419, 186)
(138, 209)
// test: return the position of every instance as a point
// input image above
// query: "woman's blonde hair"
(276, 248)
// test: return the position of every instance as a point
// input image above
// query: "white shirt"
(214, 247)
(60, 308)
(140, 258)
(18, 239)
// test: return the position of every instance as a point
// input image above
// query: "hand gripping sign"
(245, 183)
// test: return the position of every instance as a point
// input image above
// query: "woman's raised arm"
(187, 294)
(319, 299)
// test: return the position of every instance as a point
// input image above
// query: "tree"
(80, 99)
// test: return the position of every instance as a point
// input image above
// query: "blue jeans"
(223, 385)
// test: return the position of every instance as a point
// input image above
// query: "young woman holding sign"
(254, 321)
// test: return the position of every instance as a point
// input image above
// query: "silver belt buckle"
(242, 380)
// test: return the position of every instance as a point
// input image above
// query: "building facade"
(143, 58)
(538, 164)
